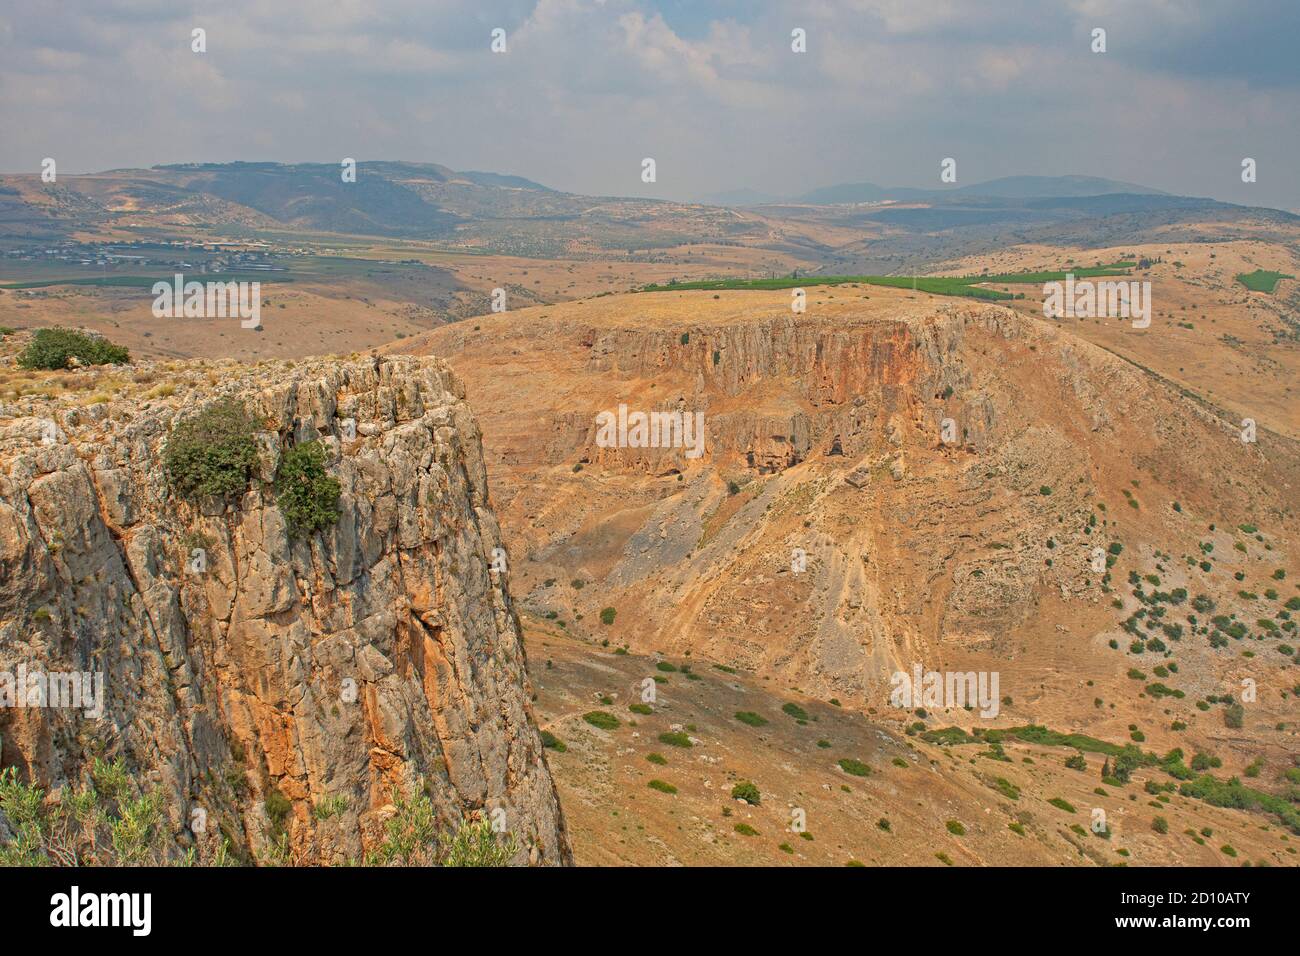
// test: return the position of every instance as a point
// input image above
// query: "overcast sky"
(711, 91)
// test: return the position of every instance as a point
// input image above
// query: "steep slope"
(286, 688)
(631, 798)
(825, 436)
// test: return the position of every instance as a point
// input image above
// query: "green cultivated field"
(146, 282)
(1261, 280)
(969, 286)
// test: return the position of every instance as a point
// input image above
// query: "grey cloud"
(712, 91)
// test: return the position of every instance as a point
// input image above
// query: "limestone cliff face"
(830, 533)
(778, 390)
(332, 670)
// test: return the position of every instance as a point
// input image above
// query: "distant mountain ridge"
(1032, 187)
(386, 198)
(519, 216)
(1006, 187)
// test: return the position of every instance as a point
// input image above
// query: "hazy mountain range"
(1007, 187)
(510, 214)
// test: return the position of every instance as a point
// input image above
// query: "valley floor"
(633, 794)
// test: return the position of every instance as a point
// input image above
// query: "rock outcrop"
(247, 671)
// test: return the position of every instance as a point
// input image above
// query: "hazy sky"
(712, 91)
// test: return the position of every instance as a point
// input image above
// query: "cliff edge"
(275, 689)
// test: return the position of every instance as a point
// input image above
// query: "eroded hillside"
(1103, 541)
(723, 769)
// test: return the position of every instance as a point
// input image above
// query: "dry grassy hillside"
(656, 789)
(824, 434)
(1237, 348)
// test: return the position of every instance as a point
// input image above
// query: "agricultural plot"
(972, 286)
(1261, 280)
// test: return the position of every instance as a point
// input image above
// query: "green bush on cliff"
(413, 838)
(212, 453)
(308, 497)
(99, 821)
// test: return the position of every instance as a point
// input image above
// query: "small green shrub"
(99, 822)
(330, 806)
(795, 711)
(601, 719)
(1234, 716)
(52, 349)
(1007, 788)
(855, 767)
(662, 786)
(746, 791)
(751, 718)
(277, 807)
(307, 495)
(212, 452)
(410, 833)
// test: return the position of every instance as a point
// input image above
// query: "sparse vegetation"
(55, 348)
(412, 838)
(795, 711)
(212, 453)
(307, 495)
(746, 791)
(102, 822)
(601, 719)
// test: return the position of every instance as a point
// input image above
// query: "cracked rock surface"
(239, 662)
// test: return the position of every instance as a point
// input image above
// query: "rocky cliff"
(830, 534)
(276, 690)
